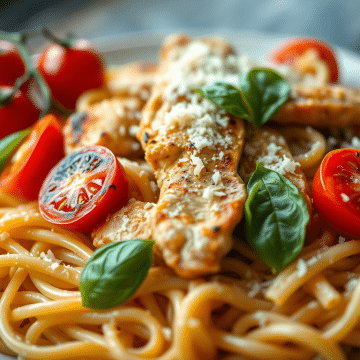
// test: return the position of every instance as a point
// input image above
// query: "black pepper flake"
(192, 145)
(215, 228)
(357, 154)
(232, 122)
(146, 137)
(152, 141)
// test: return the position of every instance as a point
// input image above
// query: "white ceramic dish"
(145, 47)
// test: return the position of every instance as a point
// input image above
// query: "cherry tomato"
(11, 64)
(289, 50)
(36, 156)
(336, 191)
(69, 71)
(20, 112)
(83, 189)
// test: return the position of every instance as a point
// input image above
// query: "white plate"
(145, 47)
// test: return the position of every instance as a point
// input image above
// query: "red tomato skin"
(71, 71)
(44, 147)
(20, 113)
(94, 213)
(286, 52)
(11, 63)
(342, 216)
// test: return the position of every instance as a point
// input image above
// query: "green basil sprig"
(114, 272)
(276, 216)
(9, 143)
(260, 95)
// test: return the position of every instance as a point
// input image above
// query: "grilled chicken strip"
(135, 79)
(269, 148)
(321, 106)
(130, 222)
(113, 121)
(194, 149)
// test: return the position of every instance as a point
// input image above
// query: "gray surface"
(336, 21)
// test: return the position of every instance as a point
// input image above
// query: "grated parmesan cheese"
(193, 322)
(198, 164)
(273, 161)
(261, 317)
(148, 206)
(167, 333)
(125, 220)
(133, 129)
(4, 235)
(208, 193)
(216, 178)
(255, 289)
(301, 268)
(50, 257)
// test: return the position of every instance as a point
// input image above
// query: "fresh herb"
(9, 143)
(260, 95)
(276, 216)
(114, 272)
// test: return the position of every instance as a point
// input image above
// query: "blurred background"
(336, 21)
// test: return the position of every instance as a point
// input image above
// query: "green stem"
(59, 108)
(67, 42)
(251, 129)
(6, 97)
(19, 39)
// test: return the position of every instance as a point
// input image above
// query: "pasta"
(231, 307)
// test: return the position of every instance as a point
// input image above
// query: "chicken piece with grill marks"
(194, 148)
(130, 222)
(111, 117)
(321, 107)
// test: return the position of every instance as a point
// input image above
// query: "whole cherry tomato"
(25, 172)
(71, 67)
(18, 109)
(11, 63)
(83, 188)
(291, 49)
(336, 191)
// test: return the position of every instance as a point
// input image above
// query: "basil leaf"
(265, 92)
(260, 95)
(9, 143)
(114, 272)
(227, 97)
(276, 216)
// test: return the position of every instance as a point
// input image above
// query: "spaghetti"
(243, 311)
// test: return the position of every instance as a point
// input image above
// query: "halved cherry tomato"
(25, 172)
(336, 191)
(20, 112)
(288, 51)
(83, 189)
(11, 63)
(70, 68)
